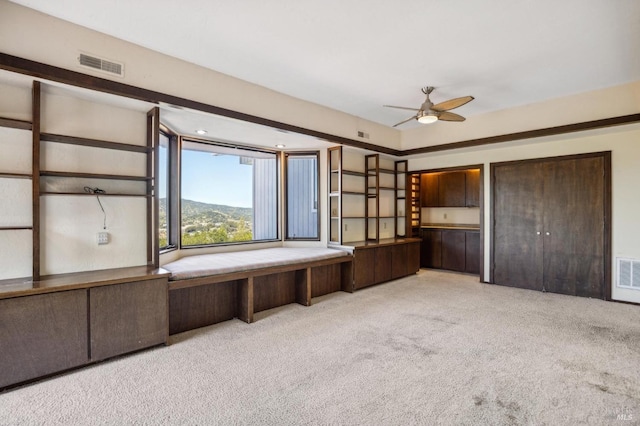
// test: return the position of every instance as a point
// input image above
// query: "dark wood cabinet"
(378, 263)
(42, 334)
(429, 188)
(453, 250)
(460, 188)
(550, 222)
(127, 317)
(431, 248)
(364, 267)
(399, 261)
(472, 252)
(472, 188)
(71, 320)
(451, 189)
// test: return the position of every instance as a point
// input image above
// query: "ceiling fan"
(430, 113)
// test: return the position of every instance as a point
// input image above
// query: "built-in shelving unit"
(400, 189)
(367, 197)
(13, 175)
(60, 167)
(414, 205)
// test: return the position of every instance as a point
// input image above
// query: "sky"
(202, 172)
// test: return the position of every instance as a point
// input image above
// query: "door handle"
(547, 233)
(537, 232)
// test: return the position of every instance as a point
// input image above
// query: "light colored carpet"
(435, 348)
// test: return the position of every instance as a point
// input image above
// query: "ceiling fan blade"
(450, 116)
(452, 103)
(408, 119)
(399, 107)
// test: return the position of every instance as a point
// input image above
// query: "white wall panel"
(15, 146)
(15, 254)
(69, 225)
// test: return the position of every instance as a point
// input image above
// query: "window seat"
(210, 288)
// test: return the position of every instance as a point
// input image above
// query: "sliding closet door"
(574, 227)
(517, 242)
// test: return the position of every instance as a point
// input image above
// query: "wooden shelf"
(73, 140)
(93, 176)
(93, 195)
(352, 193)
(15, 124)
(16, 175)
(16, 228)
(353, 173)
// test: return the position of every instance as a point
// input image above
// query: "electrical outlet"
(385, 225)
(345, 227)
(445, 215)
(103, 238)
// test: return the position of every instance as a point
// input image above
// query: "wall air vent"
(363, 135)
(100, 64)
(628, 273)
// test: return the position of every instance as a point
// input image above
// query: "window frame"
(173, 185)
(278, 181)
(318, 201)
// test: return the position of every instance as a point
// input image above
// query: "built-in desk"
(65, 321)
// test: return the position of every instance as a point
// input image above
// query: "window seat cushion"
(224, 263)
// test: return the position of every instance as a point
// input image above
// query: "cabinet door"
(517, 240)
(574, 227)
(429, 184)
(472, 185)
(363, 267)
(431, 249)
(128, 317)
(472, 252)
(453, 250)
(42, 334)
(399, 261)
(382, 265)
(451, 189)
(413, 258)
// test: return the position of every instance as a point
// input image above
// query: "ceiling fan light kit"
(430, 113)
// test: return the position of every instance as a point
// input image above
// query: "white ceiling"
(356, 55)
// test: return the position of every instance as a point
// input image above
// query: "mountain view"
(204, 223)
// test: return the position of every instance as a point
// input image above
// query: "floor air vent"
(100, 64)
(629, 273)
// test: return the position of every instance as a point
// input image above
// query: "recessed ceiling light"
(280, 145)
(201, 132)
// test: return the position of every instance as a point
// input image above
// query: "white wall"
(622, 141)
(36, 36)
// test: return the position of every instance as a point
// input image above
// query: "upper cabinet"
(459, 188)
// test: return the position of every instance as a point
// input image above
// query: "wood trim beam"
(529, 134)
(73, 78)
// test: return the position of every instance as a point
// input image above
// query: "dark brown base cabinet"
(451, 249)
(383, 261)
(43, 334)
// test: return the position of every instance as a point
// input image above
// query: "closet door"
(574, 227)
(518, 243)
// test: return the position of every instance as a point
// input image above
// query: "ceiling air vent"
(101, 64)
(629, 273)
